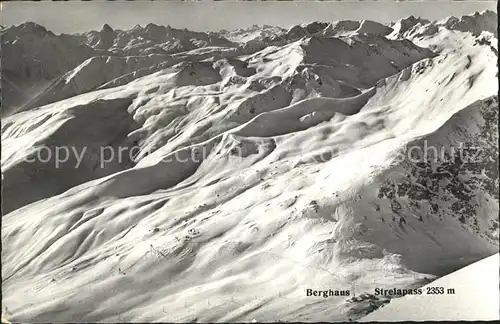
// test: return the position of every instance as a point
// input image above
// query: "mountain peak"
(487, 12)
(107, 29)
(406, 24)
(31, 27)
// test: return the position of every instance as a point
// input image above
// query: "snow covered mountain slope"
(475, 297)
(31, 58)
(251, 171)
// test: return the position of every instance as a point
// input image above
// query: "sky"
(76, 16)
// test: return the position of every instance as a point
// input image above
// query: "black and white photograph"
(249, 161)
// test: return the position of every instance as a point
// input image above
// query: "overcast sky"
(68, 17)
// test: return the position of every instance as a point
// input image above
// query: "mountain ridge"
(253, 171)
